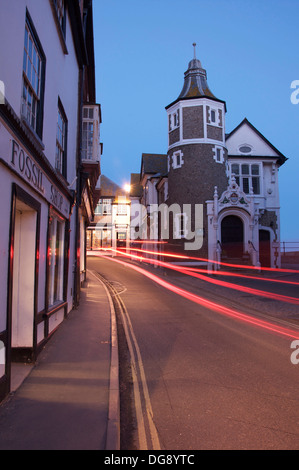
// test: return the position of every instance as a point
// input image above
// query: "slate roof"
(153, 163)
(110, 189)
(136, 187)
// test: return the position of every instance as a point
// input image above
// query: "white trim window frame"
(180, 227)
(32, 86)
(174, 120)
(106, 206)
(88, 133)
(213, 117)
(177, 159)
(218, 154)
(248, 174)
(122, 209)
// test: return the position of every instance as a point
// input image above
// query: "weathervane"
(194, 45)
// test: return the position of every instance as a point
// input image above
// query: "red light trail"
(272, 327)
(240, 266)
(192, 273)
(225, 273)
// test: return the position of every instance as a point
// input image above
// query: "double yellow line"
(146, 429)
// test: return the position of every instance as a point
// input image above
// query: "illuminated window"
(122, 209)
(56, 259)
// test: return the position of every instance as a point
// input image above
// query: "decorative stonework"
(233, 196)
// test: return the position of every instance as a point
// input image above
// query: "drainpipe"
(78, 189)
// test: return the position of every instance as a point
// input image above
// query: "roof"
(153, 163)
(195, 84)
(110, 189)
(136, 186)
(281, 159)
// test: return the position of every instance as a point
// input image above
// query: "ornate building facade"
(232, 176)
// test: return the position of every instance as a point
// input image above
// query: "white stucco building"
(49, 166)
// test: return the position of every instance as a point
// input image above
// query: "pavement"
(69, 400)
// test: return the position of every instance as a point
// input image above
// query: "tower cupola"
(195, 84)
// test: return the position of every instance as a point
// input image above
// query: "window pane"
(255, 170)
(25, 61)
(56, 261)
(31, 80)
(245, 169)
(246, 185)
(30, 48)
(256, 185)
(235, 169)
(26, 39)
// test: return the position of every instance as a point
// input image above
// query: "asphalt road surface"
(211, 381)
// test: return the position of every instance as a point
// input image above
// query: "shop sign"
(16, 157)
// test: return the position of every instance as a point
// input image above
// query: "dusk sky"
(249, 50)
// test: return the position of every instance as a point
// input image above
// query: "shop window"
(56, 259)
(33, 79)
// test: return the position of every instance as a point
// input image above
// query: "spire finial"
(194, 45)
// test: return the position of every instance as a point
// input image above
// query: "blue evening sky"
(250, 51)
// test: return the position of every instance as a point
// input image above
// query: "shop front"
(35, 285)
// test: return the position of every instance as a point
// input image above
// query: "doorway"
(265, 248)
(23, 282)
(232, 237)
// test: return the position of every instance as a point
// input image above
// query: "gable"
(246, 140)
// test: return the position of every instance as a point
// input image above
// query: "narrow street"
(210, 381)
